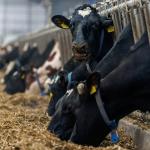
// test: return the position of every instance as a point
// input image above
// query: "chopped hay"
(23, 125)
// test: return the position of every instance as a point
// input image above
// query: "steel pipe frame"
(131, 3)
(146, 9)
(137, 22)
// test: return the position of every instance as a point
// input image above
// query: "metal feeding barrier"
(137, 12)
(43, 37)
(123, 12)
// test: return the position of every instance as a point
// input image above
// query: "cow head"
(17, 80)
(63, 120)
(57, 88)
(89, 127)
(77, 117)
(86, 26)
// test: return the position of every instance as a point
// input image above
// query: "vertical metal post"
(146, 8)
(140, 22)
(137, 22)
(117, 22)
(125, 18)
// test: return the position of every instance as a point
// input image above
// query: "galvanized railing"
(137, 12)
(45, 35)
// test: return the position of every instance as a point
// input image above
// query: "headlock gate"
(137, 12)
(122, 12)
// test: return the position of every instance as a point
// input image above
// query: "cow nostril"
(81, 48)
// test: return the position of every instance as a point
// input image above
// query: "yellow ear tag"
(50, 95)
(111, 29)
(64, 26)
(93, 89)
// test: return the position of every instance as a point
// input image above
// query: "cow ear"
(108, 24)
(61, 21)
(93, 82)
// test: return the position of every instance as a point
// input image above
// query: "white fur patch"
(26, 46)
(85, 12)
(69, 92)
(10, 66)
(9, 48)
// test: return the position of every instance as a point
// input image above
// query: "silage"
(23, 125)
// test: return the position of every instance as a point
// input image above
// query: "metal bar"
(117, 23)
(130, 4)
(133, 24)
(125, 18)
(140, 22)
(146, 8)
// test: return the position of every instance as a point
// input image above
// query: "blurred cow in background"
(49, 68)
(22, 70)
(8, 54)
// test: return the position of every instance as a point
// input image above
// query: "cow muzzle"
(80, 51)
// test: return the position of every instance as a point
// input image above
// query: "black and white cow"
(122, 91)
(59, 85)
(10, 55)
(91, 37)
(90, 32)
(110, 61)
(24, 64)
(125, 89)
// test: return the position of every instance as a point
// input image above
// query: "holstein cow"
(31, 58)
(97, 103)
(51, 66)
(12, 53)
(38, 59)
(58, 85)
(110, 61)
(21, 61)
(16, 82)
(25, 63)
(91, 35)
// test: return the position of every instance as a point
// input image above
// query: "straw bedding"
(23, 126)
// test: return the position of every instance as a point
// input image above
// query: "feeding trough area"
(27, 118)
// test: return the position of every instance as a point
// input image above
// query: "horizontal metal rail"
(128, 4)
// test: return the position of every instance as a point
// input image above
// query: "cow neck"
(117, 106)
(112, 124)
(101, 41)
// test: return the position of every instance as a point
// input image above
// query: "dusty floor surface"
(23, 125)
